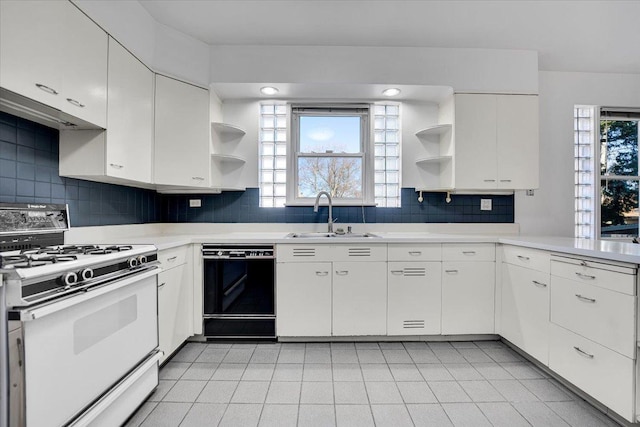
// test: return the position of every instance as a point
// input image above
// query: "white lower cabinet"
(604, 374)
(175, 302)
(303, 299)
(468, 297)
(525, 310)
(414, 298)
(359, 298)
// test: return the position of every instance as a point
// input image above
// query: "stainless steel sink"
(331, 235)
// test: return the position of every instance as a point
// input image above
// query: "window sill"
(323, 202)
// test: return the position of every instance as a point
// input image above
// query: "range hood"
(21, 106)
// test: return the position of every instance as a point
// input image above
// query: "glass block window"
(273, 155)
(387, 171)
(584, 154)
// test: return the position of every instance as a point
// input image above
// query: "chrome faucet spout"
(315, 209)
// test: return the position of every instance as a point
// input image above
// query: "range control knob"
(86, 274)
(69, 279)
(133, 262)
(142, 259)
(220, 253)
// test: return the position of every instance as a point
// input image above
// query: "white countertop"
(608, 250)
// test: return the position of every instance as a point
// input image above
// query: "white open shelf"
(434, 130)
(227, 158)
(227, 129)
(435, 159)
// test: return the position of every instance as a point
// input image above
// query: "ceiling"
(589, 36)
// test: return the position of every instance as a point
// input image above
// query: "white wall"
(551, 210)
(161, 48)
(466, 70)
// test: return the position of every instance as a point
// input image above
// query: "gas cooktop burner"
(76, 250)
(29, 260)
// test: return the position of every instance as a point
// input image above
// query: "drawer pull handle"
(342, 272)
(505, 180)
(46, 89)
(582, 352)
(173, 258)
(197, 178)
(451, 271)
(585, 276)
(469, 252)
(523, 258)
(396, 272)
(542, 285)
(415, 253)
(76, 103)
(489, 180)
(161, 284)
(321, 273)
(117, 166)
(585, 299)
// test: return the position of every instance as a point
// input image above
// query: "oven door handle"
(56, 306)
(94, 411)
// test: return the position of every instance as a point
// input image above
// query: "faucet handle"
(348, 229)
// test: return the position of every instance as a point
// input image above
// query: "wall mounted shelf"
(435, 159)
(434, 130)
(228, 158)
(227, 129)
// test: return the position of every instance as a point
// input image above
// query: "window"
(618, 173)
(273, 155)
(616, 182)
(584, 150)
(330, 149)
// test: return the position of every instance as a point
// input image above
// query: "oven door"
(77, 348)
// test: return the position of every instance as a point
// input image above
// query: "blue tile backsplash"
(29, 173)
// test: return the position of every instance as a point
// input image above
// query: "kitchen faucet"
(315, 209)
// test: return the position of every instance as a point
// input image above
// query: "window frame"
(599, 177)
(295, 111)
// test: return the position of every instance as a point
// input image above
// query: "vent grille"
(359, 252)
(304, 252)
(414, 272)
(413, 324)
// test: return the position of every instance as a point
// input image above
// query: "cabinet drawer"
(409, 252)
(359, 253)
(599, 314)
(303, 253)
(598, 371)
(526, 257)
(609, 276)
(170, 258)
(469, 252)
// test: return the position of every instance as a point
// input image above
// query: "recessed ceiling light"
(269, 90)
(391, 91)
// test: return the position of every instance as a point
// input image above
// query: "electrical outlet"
(195, 203)
(485, 204)
(530, 193)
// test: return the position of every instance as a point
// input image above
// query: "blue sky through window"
(337, 133)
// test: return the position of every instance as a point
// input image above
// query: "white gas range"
(80, 323)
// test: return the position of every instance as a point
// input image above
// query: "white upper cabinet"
(182, 155)
(492, 145)
(52, 53)
(124, 152)
(130, 116)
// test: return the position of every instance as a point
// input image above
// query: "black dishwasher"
(239, 291)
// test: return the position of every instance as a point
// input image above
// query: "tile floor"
(481, 383)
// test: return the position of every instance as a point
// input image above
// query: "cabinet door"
(468, 297)
(130, 133)
(30, 49)
(525, 310)
(84, 48)
(414, 293)
(359, 298)
(182, 155)
(174, 319)
(303, 299)
(475, 142)
(517, 141)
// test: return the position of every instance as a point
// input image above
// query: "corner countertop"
(606, 250)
